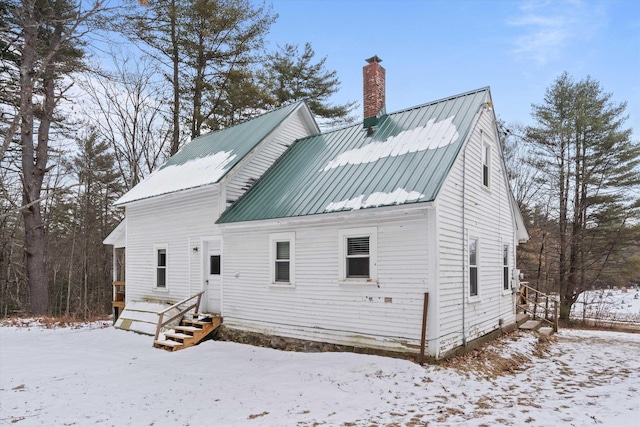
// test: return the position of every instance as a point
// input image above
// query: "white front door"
(213, 277)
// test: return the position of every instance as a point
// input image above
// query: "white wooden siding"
(263, 157)
(183, 219)
(489, 218)
(387, 315)
(178, 220)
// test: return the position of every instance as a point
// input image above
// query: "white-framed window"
(358, 255)
(161, 275)
(473, 266)
(505, 267)
(282, 249)
(486, 164)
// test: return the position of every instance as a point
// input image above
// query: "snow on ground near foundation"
(104, 376)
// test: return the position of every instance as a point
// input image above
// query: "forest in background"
(77, 134)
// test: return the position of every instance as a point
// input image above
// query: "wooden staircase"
(193, 328)
(536, 311)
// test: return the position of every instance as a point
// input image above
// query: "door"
(213, 277)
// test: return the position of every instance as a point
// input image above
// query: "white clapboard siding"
(488, 217)
(183, 219)
(177, 220)
(386, 315)
(264, 156)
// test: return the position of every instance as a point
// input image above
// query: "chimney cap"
(374, 58)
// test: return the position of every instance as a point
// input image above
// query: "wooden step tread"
(177, 335)
(531, 324)
(196, 322)
(187, 328)
(168, 343)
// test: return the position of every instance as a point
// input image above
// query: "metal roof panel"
(207, 159)
(405, 161)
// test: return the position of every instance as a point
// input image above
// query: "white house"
(343, 238)
(169, 237)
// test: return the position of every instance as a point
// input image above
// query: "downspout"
(464, 258)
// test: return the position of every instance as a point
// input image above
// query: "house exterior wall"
(319, 307)
(466, 208)
(178, 221)
(184, 220)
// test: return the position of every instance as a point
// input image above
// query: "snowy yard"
(98, 375)
(614, 305)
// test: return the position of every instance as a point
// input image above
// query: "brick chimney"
(374, 91)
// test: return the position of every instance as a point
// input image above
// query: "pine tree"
(594, 165)
(294, 76)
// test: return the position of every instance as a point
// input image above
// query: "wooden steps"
(192, 330)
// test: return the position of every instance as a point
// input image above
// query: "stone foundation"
(224, 333)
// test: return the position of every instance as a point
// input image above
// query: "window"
(473, 267)
(283, 258)
(214, 264)
(505, 267)
(486, 164)
(161, 266)
(358, 255)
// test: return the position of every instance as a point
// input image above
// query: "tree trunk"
(34, 162)
(175, 57)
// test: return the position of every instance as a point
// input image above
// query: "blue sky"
(435, 49)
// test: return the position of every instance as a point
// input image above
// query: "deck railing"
(162, 323)
(538, 304)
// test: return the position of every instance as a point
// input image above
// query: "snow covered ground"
(97, 375)
(608, 304)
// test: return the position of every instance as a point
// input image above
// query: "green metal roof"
(405, 161)
(207, 159)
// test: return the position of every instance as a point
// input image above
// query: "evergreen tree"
(204, 46)
(294, 76)
(594, 167)
(47, 47)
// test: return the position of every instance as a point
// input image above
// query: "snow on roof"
(405, 160)
(192, 174)
(429, 137)
(206, 159)
(397, 197)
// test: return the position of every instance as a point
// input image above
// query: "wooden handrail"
(538, 300)
(162, 323)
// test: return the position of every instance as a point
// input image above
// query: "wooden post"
(424, 326)
(555, 320)
(546, 307)
(160, 316)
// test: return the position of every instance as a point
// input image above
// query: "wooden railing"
(162, 323)
(538, 304)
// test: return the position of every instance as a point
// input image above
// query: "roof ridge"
(404, 110)
(247, 120)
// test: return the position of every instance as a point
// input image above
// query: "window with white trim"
(486, 165)
(160, 263)
(473, 267)
(505, 267)
(358, 255)
(282, 258)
